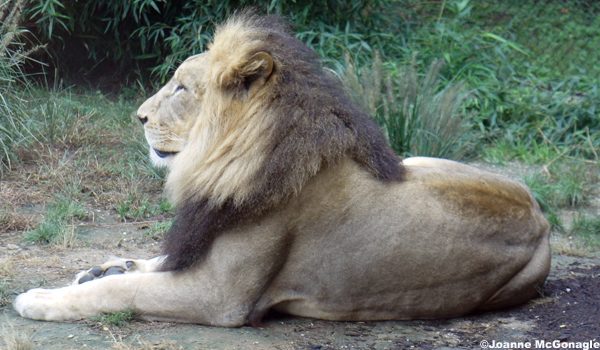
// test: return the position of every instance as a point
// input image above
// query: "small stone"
(11, 246)
(129, 264)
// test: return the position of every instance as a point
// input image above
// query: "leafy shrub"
(419, 115)
(13, 54)
(529, 66)
(160, 34)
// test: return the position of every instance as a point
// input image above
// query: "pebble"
(11, 246)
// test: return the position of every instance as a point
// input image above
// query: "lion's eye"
(179, 88)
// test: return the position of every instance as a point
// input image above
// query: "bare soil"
(568, 310)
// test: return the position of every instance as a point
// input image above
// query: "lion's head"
(169, 115)
(245, 125)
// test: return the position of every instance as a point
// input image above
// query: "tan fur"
(445, 240)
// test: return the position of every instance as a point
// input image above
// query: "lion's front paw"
(113, 267)
(45, 304)
(119, 266)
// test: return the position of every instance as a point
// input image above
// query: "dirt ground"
(568, 311)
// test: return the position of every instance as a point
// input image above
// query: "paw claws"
(114, 270)
(86, 278)
(97, 272)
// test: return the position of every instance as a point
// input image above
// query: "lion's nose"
(143, 119)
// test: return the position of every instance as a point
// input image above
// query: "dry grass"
(143, 345)
(7, 268)
(15, 339)
(567, 245)
(16, 190)
(11, 220)
(68, 238)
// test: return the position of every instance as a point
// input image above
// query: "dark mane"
(316, 125)
(317, 122)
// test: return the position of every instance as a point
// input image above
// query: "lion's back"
(425, 247)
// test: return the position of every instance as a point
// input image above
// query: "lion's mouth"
(164, 154)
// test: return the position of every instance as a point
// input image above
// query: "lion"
(289, 198)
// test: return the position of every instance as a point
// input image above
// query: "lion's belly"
(426, 248)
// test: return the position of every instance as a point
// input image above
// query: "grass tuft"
(139, 206)
(419, 115)
(4, 293)
(564, 186)
(57, 226)
(588, 229)
(15, 339)
(158, 230)
(115, 319)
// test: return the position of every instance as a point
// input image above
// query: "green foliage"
(530, 67)
(138, 206)
(420, 115)
(116, 319)
(588, 228)
(13, 55)
(567, 188)
(563, 185)
(161, 34)
(56, 228)
(158, 229)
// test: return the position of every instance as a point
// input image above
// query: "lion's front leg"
(116, 266)
(154, 295)
(222, 290)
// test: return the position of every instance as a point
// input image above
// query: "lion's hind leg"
(526, 284)
(117, 266)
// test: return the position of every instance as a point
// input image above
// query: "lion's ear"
(253, 72)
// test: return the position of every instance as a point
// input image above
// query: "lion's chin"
(161, 159)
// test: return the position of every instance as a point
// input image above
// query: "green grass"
(528, 153)
(115, 319)
(57, 225)
(565, 185)
(419, 115)
(157, 230)
(588, 229)
(12, 56)
(140, 206)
